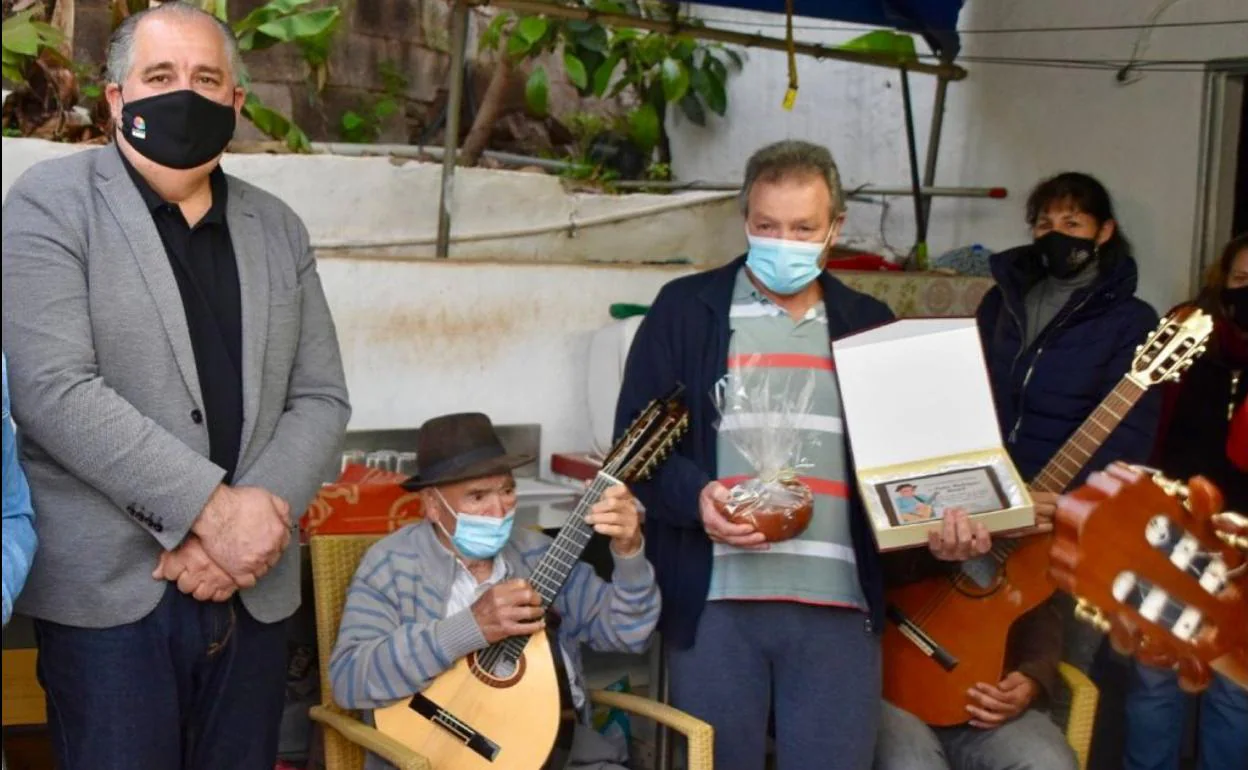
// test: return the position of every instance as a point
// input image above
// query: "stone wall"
(409, 37)
(376, 37)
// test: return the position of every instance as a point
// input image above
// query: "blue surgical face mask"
(783, 266)
(479, 537)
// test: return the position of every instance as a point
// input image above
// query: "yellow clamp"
(790, 96)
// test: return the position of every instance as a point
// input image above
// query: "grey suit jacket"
(103, 384)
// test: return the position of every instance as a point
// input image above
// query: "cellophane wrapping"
(762, 413)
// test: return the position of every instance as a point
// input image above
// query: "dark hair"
(1085, 194)
(904, 486)
(1210, 297)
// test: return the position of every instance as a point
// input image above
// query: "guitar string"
(545, 578)
(959, 582)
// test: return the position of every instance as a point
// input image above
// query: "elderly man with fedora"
(471, 567)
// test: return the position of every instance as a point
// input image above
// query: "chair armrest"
(699, 735)
(371, 739)
(1082, 719)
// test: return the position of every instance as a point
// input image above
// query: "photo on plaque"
(924, 499)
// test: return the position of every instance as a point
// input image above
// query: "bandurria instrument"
(949, 632)
(1160, 567)
(508, 707)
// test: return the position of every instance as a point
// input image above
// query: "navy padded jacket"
(1046, 390)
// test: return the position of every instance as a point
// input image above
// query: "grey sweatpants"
(819, 667)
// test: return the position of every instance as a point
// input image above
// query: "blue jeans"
(192, 686)
(1156, 711)
(819, 666)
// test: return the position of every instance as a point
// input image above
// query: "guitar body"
(969, 623)
(943, 639)
(524, 721)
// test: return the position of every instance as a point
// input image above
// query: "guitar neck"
(1078, 450)
(556, 565)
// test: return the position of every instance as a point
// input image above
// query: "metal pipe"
(663, 743)
(920, 242)
(862, 191)
(455, 99)
(933, 144)
(676, 28)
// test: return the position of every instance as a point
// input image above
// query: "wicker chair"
(334, 560)
(1082, 719)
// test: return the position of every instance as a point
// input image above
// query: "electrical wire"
(1002, 31)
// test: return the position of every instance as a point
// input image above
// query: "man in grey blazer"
(177, 378)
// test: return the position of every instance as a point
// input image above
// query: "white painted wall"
(1004, 125)
(421, 339)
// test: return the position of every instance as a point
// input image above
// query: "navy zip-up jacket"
(684, 339)
(1045, 391)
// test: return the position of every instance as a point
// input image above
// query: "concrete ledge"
(387, 209)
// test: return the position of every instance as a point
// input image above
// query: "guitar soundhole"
(505, 673)
(980, 577)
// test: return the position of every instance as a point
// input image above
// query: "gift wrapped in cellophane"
(761, 414)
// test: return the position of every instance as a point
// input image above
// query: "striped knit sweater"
(394, 638)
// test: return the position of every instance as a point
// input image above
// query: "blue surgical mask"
(783, 266)
(479, 537)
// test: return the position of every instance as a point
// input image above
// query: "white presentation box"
(923, 430)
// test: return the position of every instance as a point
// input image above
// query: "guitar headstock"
(1144, 557)
(649, 439)
(1172, 347)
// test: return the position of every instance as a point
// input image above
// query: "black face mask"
(180, 129)
(1065, 256)
(1236, 301)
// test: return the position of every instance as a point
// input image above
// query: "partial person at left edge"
(20, 541)
(180, 391)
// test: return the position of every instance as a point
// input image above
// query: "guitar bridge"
(475, 741)
(920, 638)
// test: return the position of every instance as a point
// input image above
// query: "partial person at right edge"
(178, 383)
(1198, 438)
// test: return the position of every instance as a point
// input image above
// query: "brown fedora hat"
(460, 447)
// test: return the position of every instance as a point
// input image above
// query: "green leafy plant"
(365, 125)
(24, 38)
(656, 70)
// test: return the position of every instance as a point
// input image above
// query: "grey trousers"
(591, 750)
(1031, 742)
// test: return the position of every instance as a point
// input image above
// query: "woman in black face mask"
(1060, 329)
(1061, 326)
(1204, 430)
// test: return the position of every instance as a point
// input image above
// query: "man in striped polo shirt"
(786, 629)
(792, 626)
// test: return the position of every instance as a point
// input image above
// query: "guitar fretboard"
(556, 565)
(1075, 454)
(1078, 450)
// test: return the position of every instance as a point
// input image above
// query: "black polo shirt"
(203, 262)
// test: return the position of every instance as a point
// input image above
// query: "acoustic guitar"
(508, 706)
(1160, 567)
(948, 632)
